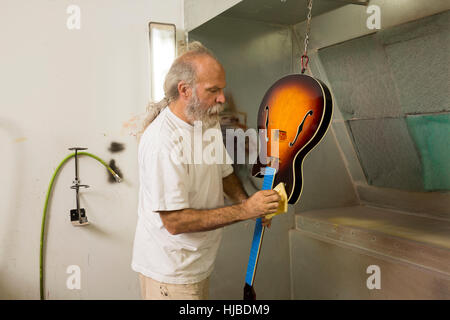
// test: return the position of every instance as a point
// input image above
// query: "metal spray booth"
(376, 188)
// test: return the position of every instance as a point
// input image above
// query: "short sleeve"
(165, 182)
(227, 168)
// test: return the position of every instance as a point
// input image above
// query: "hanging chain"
(305, 58)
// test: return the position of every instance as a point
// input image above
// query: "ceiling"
(286, 12)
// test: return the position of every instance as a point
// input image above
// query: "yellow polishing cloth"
(283, 204)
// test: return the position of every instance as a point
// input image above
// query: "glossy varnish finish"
(296, 113)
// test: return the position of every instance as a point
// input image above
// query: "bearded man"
(181, 210)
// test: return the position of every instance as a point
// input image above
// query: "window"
(162, 54)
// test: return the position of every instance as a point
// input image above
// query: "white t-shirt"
(167, 183)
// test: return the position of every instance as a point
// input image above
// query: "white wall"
(62, 88)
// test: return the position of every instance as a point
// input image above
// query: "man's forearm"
(192, 220)
(233, 188)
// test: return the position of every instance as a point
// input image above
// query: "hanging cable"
(305, 58)
(44, 215)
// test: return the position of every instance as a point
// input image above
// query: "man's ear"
(184, 90)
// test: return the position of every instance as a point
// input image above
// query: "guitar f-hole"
(300, 127)
(267, 123)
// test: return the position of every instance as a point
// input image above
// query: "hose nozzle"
(116, 176)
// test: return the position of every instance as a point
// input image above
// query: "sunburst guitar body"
(295, 114)
(293, 117)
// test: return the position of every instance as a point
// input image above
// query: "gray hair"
(182, 69)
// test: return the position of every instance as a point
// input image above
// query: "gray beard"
(195, 112)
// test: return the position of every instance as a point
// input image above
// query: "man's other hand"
(261, 203)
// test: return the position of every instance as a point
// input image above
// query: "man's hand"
(261, 203)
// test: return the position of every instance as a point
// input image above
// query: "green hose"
(41, 252)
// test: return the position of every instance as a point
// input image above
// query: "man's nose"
(220, 98)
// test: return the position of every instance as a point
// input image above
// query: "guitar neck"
(249, 294)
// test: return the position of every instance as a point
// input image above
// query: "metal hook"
(78, 213)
